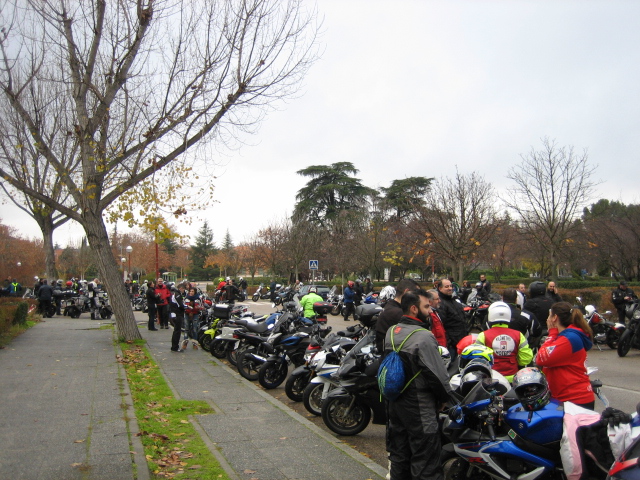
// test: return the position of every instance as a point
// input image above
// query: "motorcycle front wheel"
(339, 419)
(612, 339)
(294, 388)
(624, 344)
(218, 348)
(205, 342)
(456, 469)
(255, 298)
(272, 374)
(312, 398)
(335, 311)
(247, 365)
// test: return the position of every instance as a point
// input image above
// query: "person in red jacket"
(163, 305)
(510, 347)
(563, 356)
(436, 322)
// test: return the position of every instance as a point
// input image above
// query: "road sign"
(313, 264)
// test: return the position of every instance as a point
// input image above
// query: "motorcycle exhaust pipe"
(258, 358)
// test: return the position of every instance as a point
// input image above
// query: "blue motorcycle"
(488, 441)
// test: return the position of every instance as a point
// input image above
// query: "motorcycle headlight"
(636, 314)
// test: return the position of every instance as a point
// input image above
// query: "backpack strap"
(398, 350)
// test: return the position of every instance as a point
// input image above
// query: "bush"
(20, 316)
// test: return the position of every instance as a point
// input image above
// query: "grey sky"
(409, 88)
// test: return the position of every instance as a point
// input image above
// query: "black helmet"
(531, 388)
(537, 289)
(470, 380)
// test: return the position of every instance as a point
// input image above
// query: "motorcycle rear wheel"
(272, 374)
(624, 344)
(612, 339)
(218, 348)
(294, 388)
(338, 420)
(247, 365)
(74, 312)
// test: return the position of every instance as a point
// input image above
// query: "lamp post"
(129, 249)
(124, 271)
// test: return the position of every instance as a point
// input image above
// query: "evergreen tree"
(203, 248)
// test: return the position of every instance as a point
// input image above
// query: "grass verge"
(172, 446)
(7, 336)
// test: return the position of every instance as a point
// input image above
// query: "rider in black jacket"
(620, 297)
(452, 314)
(538, 303)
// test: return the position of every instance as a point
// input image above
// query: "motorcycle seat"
(253, 326)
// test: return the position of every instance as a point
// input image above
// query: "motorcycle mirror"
(579, 299)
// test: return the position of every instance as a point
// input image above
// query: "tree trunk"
(49, 252)
(98, 238)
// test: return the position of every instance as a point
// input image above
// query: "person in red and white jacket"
(563, 356)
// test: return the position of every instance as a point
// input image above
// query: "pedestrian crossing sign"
(313, 264)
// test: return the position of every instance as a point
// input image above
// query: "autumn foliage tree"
(141, 83)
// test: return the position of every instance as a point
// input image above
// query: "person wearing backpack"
(412, 439)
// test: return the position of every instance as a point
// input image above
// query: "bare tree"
(145, 82)
(552, 185)
(457, 220)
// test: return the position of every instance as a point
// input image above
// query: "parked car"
(323, 291)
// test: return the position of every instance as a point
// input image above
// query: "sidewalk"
(60, 386)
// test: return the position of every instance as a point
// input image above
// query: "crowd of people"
(515, 324)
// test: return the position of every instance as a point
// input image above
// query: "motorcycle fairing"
(484, 456)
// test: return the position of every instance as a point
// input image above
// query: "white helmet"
(227, 279)
(499, 312)
(590, 310)
(387, 293)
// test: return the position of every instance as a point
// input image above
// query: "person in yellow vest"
(511, 350)
(308, 300)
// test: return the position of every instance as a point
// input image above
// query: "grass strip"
(15, 330)
(172, 446)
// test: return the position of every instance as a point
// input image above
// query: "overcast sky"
(408, 88)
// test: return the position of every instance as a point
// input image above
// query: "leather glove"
(614, 417)
(455, 413)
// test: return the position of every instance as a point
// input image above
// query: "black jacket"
(539, 306)
(617, 297)
(45, 292)
(391, 315)
(451, 312)
(524, 321)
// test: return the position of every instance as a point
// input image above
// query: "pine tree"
(200, 251)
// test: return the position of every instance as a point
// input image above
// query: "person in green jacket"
(308, 300)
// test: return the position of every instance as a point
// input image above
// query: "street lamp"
(124, 272)
(129, 249)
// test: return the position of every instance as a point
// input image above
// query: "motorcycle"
(262, 292)
(104, 307)
(630, 338)
(284, 296)
(604, 331)
(490, 439)
(320, 353)
(336, 302)
(347, 409)
(476, 312)
(286, 344)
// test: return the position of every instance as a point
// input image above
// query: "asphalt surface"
(62, 418)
